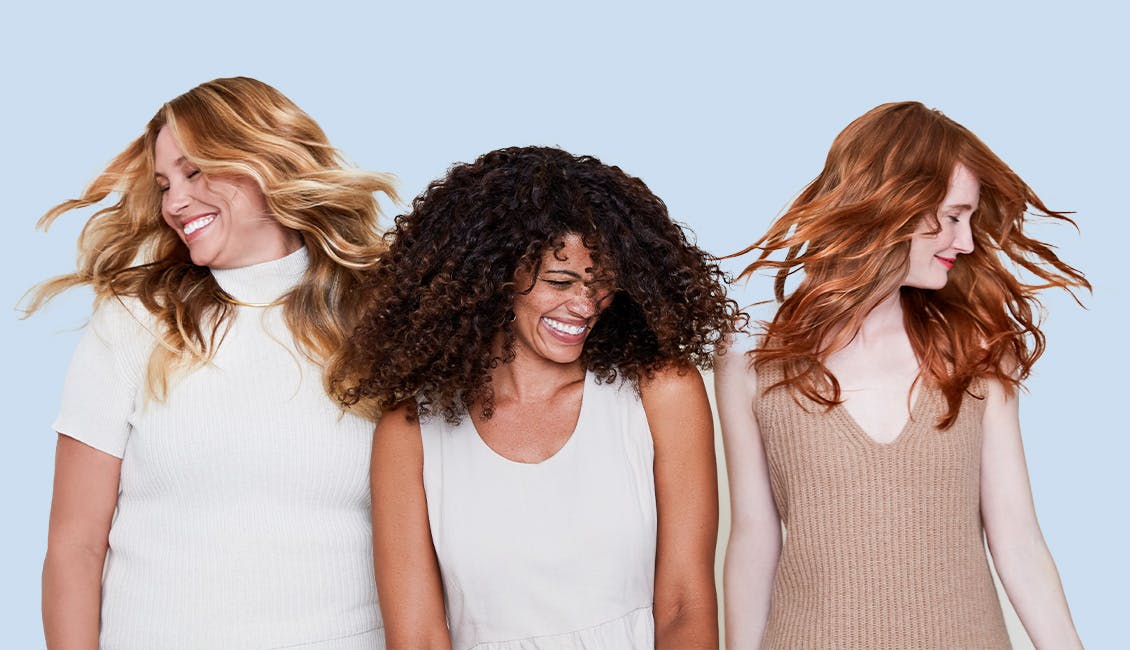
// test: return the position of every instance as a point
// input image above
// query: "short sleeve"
(104, 378)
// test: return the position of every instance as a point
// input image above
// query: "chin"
(563, 359)
(927, 284)
(561, 356)
(200, 259)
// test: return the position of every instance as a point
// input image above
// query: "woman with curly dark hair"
(545, 462)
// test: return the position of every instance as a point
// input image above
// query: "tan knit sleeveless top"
(884, 546)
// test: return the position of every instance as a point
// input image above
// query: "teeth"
(197, 224)
(572, 330)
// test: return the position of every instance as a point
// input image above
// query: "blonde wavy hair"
(849, 232)
(228, 127)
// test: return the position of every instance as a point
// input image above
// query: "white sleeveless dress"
(557, 554)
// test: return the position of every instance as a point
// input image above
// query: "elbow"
(754, 544)
(72, 556)
(415, 642)
(1007, 539)
(687, 621)
(416, 637)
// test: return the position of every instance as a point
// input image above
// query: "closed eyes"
(164, 187)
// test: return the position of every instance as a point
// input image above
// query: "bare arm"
(755, 526)
(408, 578)
(82, 506)
(686, 495)
(1023, 562)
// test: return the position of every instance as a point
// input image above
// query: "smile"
(558, 326)
(946, 261)
(197, 223)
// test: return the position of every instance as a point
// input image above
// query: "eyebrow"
(176, 163)
(959, 206)
(571, 274)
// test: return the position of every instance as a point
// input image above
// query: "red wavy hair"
(849, 231)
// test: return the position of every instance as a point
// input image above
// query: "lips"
(568, 333)
(194, 225)
(946, 261)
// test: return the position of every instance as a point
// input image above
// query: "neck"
(884, 318)
(264, 283)
(532, 379)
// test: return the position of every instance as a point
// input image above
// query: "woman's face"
(553, 320)
(223, 220)
(933, 255)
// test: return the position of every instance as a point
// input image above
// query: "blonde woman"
(208, 492)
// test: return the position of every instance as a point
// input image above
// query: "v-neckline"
(912, 419)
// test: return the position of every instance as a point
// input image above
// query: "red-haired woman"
(876, 417)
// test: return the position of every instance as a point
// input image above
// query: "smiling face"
(555, 317)
(223, 220)
(932, 255)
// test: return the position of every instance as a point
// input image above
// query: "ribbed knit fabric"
(884, 546)
(243, 511)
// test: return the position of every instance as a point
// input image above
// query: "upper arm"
(104, 378)
(407, 571)
(84, 498)
(686, 487)
(751, 500)
(1006, 495)
(93, 426)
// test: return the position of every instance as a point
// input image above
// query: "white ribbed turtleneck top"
(243, 511)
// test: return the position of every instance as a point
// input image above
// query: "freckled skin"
(561, 294)
(929, 253)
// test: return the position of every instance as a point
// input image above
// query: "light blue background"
(726, 110)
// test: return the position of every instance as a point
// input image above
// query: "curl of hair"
(849, 232)
(443, 293)
(228, 127)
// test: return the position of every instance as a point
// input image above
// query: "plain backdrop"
(725, 110)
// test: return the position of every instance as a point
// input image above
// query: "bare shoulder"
(677, 407)
(734, 366)
(1002, 406)
(999, 394)
(398, 430)
(670, 383)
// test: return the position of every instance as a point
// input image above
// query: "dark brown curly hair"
(445, 288)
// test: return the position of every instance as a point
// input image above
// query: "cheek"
(239, 197)
(245, 195)
(921, 246)
(947, 236)
(523, 306)
(604, 300)
(165, 216)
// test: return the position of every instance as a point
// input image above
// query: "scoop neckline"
(562, 450)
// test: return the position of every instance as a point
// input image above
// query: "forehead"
(964, 189)
(573, 252)
(167, 152)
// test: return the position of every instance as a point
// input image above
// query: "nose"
(583, 302)
(175, 199)
(963, 238)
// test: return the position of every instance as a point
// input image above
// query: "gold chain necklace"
(258, 305)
